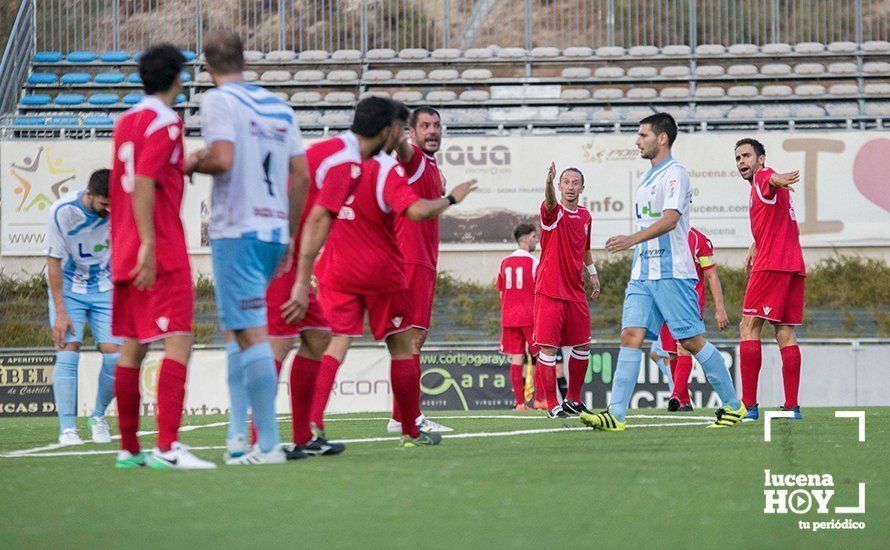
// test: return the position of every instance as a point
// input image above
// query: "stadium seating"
(709, 82)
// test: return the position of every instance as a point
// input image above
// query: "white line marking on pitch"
(376, 439)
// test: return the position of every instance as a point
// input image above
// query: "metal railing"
(17, 57)
(67, 25)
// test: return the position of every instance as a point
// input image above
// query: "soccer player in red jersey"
(516, 284)
(681, 360)
(292, 307)
(775, 290)
(377, 284)
(153, 293)
(419, 240)
(561, 314)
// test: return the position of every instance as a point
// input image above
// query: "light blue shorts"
(82, 308)
(242, 269)
(649, 304)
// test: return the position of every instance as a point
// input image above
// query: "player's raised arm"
(784, 180)
(404, 150)
(424, 209)
(549, 190)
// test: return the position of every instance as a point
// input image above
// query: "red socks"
(681, 378)
(539, 384)
(327, 373)
(790, 374)
(547, 363)
(126, 391)
(673, 361)
(578, 361)
(396, 413)
(303, 377)
(751, 358)
(403, 374)
(518, 382)
(171, 395)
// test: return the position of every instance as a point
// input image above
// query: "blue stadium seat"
(137, 55)
(69, 100)
(42, 78)
(103, 98)
(189, 55)
(134, 79)
(81, 56)
(29, 120)
(98, 120)
(180, 99)
(47, 57)
(132, 98)
(110, 77)
(114, 57)
(63, 120)
(35, 100)
(75, 78)
(186, 76)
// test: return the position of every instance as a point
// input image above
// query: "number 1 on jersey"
(267, 163)
(508, 278)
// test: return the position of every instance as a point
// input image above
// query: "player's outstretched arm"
(216, 159)
(668, 221)
(143, 198)
(549, 190)
(784, 180)
(713, 281)
(315, 234)
(592, 274)
(404, 150)
(424, 209)
(62, 324)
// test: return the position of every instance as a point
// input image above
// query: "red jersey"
(774, 226)
(565, 238)
(516, 283)
(703, 254)
(419, 241)
(147, 142)
(362, 254)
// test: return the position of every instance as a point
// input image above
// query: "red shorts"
(388, 312)
(776, 296)
(560, 322)
(515, 341)
(668, 343)
(278, 293)
(167, 308)
(422, 285)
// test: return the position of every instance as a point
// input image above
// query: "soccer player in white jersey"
(80, 291)
(255, 154)
(662, 283)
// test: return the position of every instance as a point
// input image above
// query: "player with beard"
(419, 240)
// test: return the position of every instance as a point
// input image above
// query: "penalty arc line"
(189, 428)
(379, 439)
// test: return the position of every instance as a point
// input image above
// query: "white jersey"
(664, 187)
(79, 237)
(250, 200)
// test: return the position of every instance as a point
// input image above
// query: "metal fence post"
(446, 27)
(529, 22)
(610, 22)
(774, 21)
(116, 25)
(281, 25)
(199, 27)
(693, 24)
(859, 29)
(364, 26)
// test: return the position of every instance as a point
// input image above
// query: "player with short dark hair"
(777, 273)
(561, 313)
(256, 157)
(516, 285)
(79, 280)
(153, 291)
(376, 285)
(662, 282)
(335, 169)
(419, 240)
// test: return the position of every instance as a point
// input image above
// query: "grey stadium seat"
(876, 46)
(476, 74)
(642, 93)
(844, 89)
(606, 115)
(308, 117)
(643, 51)
(414, 53)
(709, 92)
(744, 69)
(543, 52)
(281, 56)
(676, 50)
(576, 72)
(777, 90)
(346, 55)
(441, 96)
(708, 113)
(775, 69)
(339, 97)
(377, 75)
(605, 94)
(375, 93)
(342, 76)
(574, 116)
(710, 49)
(877, 109)
(842, 47)
(809, 90)
(380, 54)
(879, 88)
(443, 75)
(309, 76)
(743, 49)
(251, 56)
(675, 71)
(511, 53)
(575, 94)
(809, 68)
(842, 109)
(610, 51)
(305, 98)
(642, 72)
(608, 72)
(742, 112)
(411, 74)
(275, 76)
(250, 76)
(577, 51)
(475, 95)
(336, 117)
(842, 67)
(776, 111)
(713, 70)
(809, 111)
(674, 92)
(876, 67)
(809, 47)
(479, 53)
(446, 53)
(742, 91)
(777, 48)
(408, 96)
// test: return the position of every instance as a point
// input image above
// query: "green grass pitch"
(503, 479)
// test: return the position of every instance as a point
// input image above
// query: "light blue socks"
(261, 381)
(718, 376)
(65, 388)
(625, 380)
(106, 383)
(237, 392)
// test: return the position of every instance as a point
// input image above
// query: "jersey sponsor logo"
(672, 188)
(647, 211)
(654, 253)
(346, 211)
(163, 323)
(252, 303)
(98, 248)
(767, 309)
